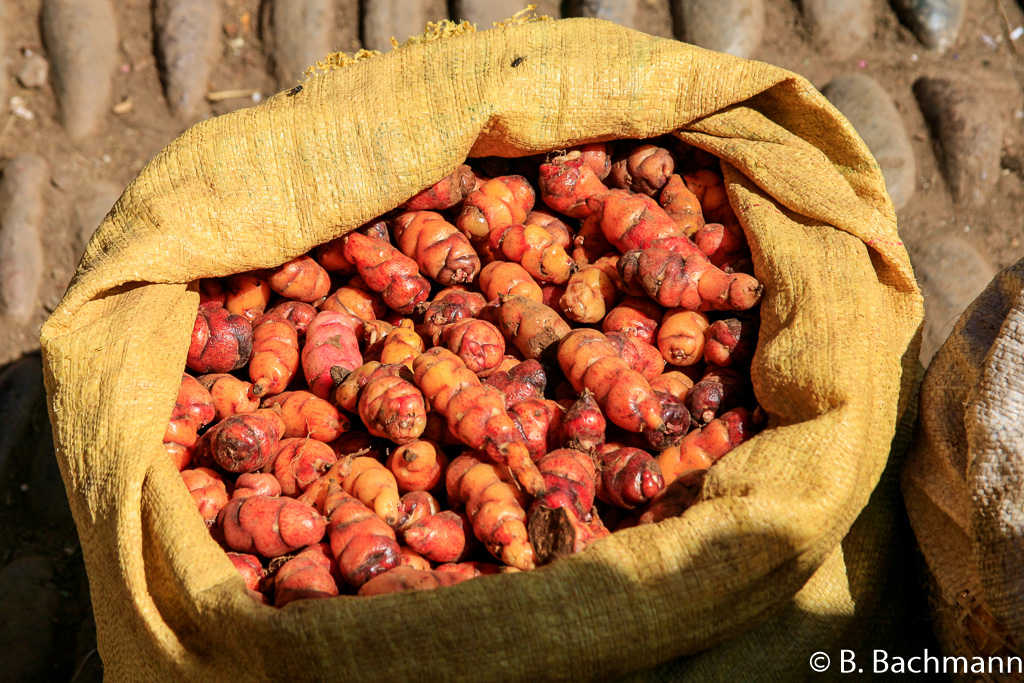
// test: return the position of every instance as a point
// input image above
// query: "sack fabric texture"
(964, 481)
(835, 367)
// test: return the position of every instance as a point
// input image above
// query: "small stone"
(732, 26)
(936, 23)
(21, 251)
(33, 72)
(969, 130)
(28, 603)
(398, 19)
(873, 114)
(94, 202)
(839, 27)
(951, 273)
(19, 107)
(123, 107)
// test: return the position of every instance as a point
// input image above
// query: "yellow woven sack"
(834, 369)
(964, 482)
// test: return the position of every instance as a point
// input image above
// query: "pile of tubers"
(475, 382)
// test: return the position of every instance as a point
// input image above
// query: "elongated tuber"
(417, 465)
(569, 476)
(307, 576)
(533, 328)
(275, 354)
(193, 410)
(681, 336)
(645, 168)
(441, 537)
(505, 277)
(332, 346)
(719, 390)
(494, 507)
(391, 406)
(402, 345)
(247, 295)
(681, 205)
(583, 427)
(448, 308)
(589, 360)
(299, 314)
(299, 462)
(591, 291)
(306, 415)
(375, 486)
(249, 567)
(730, 342)
(208, 491)
(701, 448)
(539, 421)
(356, 298)
(523, 380)
(629, 476)
(270, 526)
(478, 343)
(692, 283)
(246, 442)
(476, 413)
(566, 182)
(445, 193)
(221, 342)
(301, 279)
(535, 249)
(501, 201)
(362, 544)
(231, 395)
(442, 252)
(257, 484)
(388, 271)
(636, 317)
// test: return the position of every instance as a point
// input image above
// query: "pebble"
(187, 42)
(951, 273)
(34, 71)
(93, 204)
(300, 34)
(969, 130)
(81, 40)
(873, 114)
(21, 387)
(484, 13)
(732, 26)
(28, 603)
(839, 27)
(21, 253)
(400, 19)
(934, 22)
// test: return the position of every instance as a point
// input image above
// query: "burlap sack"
(964, 482)
(834, 369)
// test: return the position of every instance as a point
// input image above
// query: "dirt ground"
(126, 141)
